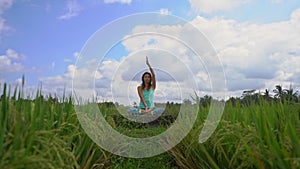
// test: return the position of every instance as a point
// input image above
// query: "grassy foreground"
(45, 133)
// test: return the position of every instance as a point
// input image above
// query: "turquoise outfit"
(137, 111)
(148, 96)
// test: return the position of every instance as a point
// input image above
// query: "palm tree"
(250, 97)
(205, 100)
(290, 95)
(278, 92)
(267, 95)
(234, 101)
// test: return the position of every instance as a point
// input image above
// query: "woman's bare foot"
(148, 110)
(145, 111)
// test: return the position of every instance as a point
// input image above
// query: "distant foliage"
(257, 130)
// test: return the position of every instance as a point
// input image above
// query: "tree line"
(280, 95)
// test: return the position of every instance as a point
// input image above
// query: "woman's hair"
(143, 82)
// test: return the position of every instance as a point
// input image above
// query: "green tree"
(267, 96)
(290, 95)
(278, 92)
(249, 97)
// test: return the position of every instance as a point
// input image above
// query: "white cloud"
(4, 5)
(10, 64)
(52, 65)
(75, 56)
(206, 6)
(59, 83)
(295, 18)
(177, 67)
(140, 42)
(119, 1)
(290, 68)
(3, 26)
(117, 80)
(165, 11)
(255, 54)
(68, 60)
(84, 81)
(128, 74)
(11, 54)
(73, 9)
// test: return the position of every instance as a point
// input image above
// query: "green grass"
(41, 133)
(257, 136)
(142, 132)
(44, 134)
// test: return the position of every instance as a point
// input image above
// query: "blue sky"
(39, 34)
(41, 39)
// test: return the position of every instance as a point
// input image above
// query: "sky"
(256, 41)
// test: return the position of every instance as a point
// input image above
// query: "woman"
(146, 90)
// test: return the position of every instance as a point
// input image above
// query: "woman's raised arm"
(152, 73)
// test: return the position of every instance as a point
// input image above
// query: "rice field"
(44, 132)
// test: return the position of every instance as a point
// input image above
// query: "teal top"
(148, 96)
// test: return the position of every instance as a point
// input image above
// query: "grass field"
(45, 133)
